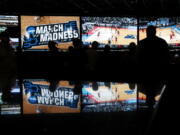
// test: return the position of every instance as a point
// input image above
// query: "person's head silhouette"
(107, 48)
(70, 48)
(95, 45)
(132, 48)
(151, 31)
(52, 46)
(4, 37)
(77, 43)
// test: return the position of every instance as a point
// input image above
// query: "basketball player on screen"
(98, 34)
(109, 41)
(116, 39)
(171, 35)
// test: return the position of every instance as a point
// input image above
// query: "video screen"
(117, 32)
(168, 28)
(37, 31)
(10, 25)
(49, 96)
(109, 97)
(149, 95)
(10, 98)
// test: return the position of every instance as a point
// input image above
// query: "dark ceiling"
(91, 7)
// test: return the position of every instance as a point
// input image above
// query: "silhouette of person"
(92, 56)
(105, 59)
(151, 90)
(132, 48)
(77, 56)
(70, 48)
(52, 46)
(7, 81)
(7, 66)
(53, 84)
(132, 86)
(95, 86)
(152, 51)
(7, 57)
(107, 84)
(107, 49)
(53, 58)
(77, 43)
(78, 87)
(130, 58)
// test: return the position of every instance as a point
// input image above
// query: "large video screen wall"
(117, 32)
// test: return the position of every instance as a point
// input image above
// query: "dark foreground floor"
(133, 112)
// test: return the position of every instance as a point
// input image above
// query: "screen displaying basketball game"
(117, 32)
(49, 96)
(168, 28)
(10, 98)
(109, 97)
(10, 24)
(37, 31)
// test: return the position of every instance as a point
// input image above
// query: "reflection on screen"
(114, 31)
(37, 31)
(10, 25)
(49, 96)
(108, 97)
(10, 102)
(167, 28)
(149, 95)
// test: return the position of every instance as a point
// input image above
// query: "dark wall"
(91, 7)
